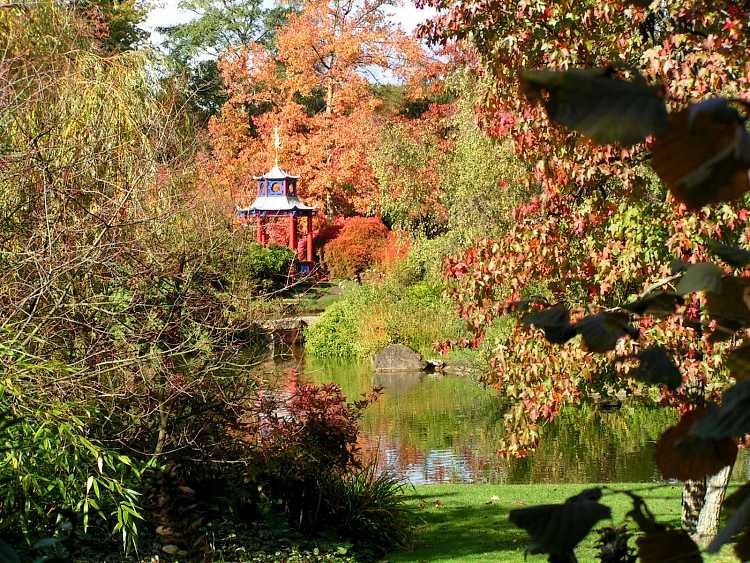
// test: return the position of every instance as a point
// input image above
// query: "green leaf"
(558, 528)
(554, 321)
(677, 266)
(738, 362)
(595, 103)
(655, 303)
(682, 455)
(699, 277)
(732, 419)
(704, 158)
(729, 303)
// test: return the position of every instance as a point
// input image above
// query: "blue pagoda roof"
(283, 201)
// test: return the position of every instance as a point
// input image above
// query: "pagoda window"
(275, 188)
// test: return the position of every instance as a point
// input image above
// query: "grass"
(315, 299)
(470, 522)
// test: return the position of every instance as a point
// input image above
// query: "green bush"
(306, 466)
(370, 317)
(265, 268)
(424, 294)
(334, 334)
(426, 257)
(314, 440)
(56, 480)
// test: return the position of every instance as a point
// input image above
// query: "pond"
(441, 429)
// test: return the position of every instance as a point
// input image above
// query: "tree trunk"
(693, 496)
(162, 437)
(708, 520)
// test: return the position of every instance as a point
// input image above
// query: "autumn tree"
(439, 173)
(603, 228)
(315, 85)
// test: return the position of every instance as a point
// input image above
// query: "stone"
(435, 366)
(397, 357)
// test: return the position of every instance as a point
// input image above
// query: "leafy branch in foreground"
(703, 156)
(702, 152)
(557, 528)
(600, 226)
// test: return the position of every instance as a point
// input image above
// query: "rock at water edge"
(397, 357)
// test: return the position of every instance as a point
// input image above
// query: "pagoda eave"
(246, 212)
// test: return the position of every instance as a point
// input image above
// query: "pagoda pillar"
(259, 228)
(293, 232)
(309, 238)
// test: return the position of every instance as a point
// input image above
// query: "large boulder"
(397, 357)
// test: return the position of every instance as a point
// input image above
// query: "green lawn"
(465, 522)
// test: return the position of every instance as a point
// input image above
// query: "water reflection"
(440, 429)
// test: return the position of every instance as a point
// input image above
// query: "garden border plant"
(307, 466)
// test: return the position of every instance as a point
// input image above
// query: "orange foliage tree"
(314, 86)
(359, 245)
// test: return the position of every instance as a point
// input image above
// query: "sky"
(167, 13)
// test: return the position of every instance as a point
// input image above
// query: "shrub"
(334, 333)
(370, 317)
(307, 464)
(356, 248)
(56, 480)
(266, 268)
(304, 442)
(326, 233)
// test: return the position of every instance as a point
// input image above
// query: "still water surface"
(443, 429)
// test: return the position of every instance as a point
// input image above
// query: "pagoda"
(277, 197)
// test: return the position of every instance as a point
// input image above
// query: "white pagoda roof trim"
(278, 203)
(275, 173)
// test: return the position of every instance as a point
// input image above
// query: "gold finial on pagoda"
(276, 143)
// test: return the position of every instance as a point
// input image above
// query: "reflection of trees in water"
(587, 445)
(440, 429)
